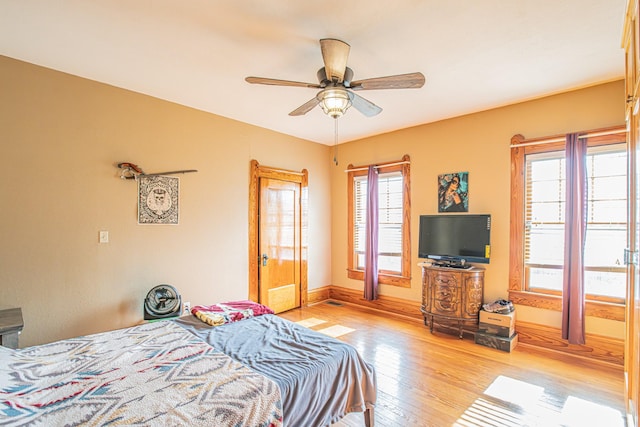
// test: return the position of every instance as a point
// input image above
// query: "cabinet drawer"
(446, 300)
(445, 290)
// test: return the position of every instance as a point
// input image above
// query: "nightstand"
(11, 325)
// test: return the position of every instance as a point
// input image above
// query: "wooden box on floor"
(499, 343)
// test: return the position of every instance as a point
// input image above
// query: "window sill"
(604, 310)
(383, 279)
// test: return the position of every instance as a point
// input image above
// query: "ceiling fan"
(336, 84)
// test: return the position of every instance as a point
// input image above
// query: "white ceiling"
(475, 54)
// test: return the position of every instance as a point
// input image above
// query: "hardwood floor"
(440, 380)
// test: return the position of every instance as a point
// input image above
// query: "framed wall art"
(453, 192)
(158, 198)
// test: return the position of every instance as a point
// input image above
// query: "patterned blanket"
(229, 312)
(152, 374)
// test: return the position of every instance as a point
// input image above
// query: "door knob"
(264, 260)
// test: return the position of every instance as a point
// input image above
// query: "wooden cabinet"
(10, 327)
(631, 45)
(451, 296)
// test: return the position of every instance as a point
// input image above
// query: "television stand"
(451, 296)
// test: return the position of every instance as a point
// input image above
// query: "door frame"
(257, 172)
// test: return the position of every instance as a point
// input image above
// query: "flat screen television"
(455, 240)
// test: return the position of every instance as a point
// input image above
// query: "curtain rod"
(562, 138)
(380, 166)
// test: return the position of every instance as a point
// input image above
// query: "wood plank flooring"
(439, 380)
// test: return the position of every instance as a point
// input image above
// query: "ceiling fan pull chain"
(335, 141)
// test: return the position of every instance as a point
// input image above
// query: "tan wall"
(478, 144)
(61, 136)
(60, 139)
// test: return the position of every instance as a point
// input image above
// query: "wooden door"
(277, 237)
(632, 315)
(279, 242)
(632, 340)
(632, 336)
(632, 353)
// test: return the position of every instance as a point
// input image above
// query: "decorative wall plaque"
(158, 198)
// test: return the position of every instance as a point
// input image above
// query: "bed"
(251, 369)
(321, 379)
(156, 374)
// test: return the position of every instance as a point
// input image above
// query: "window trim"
(403, 279)
(518, 294)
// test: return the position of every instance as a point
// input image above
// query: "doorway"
(277, 237)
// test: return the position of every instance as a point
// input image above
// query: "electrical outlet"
(186, 308)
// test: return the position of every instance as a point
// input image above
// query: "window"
(606, 233)
(394, 255)
(538, 219)
(390, 221)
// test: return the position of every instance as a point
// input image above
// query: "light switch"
(104, 237)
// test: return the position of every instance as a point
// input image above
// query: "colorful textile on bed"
(229, 312)
(152, 374)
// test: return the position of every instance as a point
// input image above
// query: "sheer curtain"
(371, 239)
(574, 233)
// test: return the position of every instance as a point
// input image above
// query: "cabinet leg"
(431, 325)
(460, 329)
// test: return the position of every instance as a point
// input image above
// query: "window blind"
(390, 216)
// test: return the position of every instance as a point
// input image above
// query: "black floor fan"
(162, 302)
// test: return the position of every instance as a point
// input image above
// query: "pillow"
(228, 312)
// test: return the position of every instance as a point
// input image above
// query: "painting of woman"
(453, 192)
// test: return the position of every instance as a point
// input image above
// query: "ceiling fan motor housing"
(324, 81)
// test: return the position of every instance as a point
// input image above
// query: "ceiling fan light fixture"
(335, 101)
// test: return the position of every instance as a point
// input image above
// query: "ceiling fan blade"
(366, 107)
(400, 81)
(334, 54)
(305, 108)
(276, 82)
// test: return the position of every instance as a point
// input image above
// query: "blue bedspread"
(321, 379)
